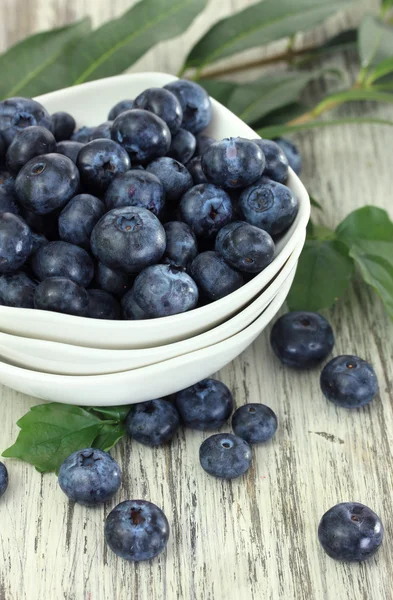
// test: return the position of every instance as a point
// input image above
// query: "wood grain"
(253, 538)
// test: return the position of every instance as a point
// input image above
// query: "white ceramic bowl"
(65, 359)
(89, 103)
(142, 384)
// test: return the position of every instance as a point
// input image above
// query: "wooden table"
(255, 538)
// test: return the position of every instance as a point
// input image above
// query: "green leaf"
(346, 40)
(368, 223)
(381, 70)
(282, 115)
(32, 66)
(259, 24)
(278, 130)
(375, 42)
(51, 432)
(323, 274)
(115, 413)
(109, 436)
(118, 44)
(315, 203)
(219, 90)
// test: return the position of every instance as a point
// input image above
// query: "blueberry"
(183, 146)
(47, 183)
(3, 478)
(350, 531)
(225, 455)
(144, 135)
(102, 305)
(181, 245)
(245, 247)
(128, 239)
(8, 204)
(99, 162)
(90, 476)
(206, 208)
(349, 381)
(173, 175)
(78, 218)
(61, 259)
(269, 205)
(195, 169)
(16, 114)
(276, 160)
(103, 131)
(83, 135)
(31, 142)
(63, 126)
(292, 153)
(162, 103)
(233, 162)
(111, 281)
(70, 149)
(63, 295)
(136, 188)
(17, 290)
(205, 405)
(39, 240)
(195, 103)
(47, 225)
(202, 143)
(136, 530)
(15, 242)
(153, 423)
(255, 423)
(119, 108)
(302, 339)
(214, 277)
(160, 291)
(3, 148)
(8, 200)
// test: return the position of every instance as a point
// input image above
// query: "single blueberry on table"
(114, 282)
(153, 423)
(63, 125)
(136, 530)
(61, 259)
(102, 305)
(162, 103)
(255, 423)
(120, 107)
(233, 162)
(195, 169)
(195, 103)
(350, 531)
(160, 291)
(269, 205)
(144, 135)
(292, 153)
(59, 294)
(15, 242)
(276, 161)
(82, 135)
(205, 405)
(225, 455)
(245, 247)
(128, 239)
(70, 149)
(17, 290)
(103, 131)
(206, 208)
(90, 476)
(302, 339)
(173, 175)
(47, 183)
(99, 162)
(214, 277)
(136, 188)
(202, 143)
(78, 218)
(349, 381)
(181, 244)
(3, 479)
(182, 146)
(16, 114)
(31, 142)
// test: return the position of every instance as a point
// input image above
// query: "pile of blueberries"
(139, 530)
(141, 217)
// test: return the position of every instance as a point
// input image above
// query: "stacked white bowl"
(85, 361)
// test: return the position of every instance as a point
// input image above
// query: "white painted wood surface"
(255, 538)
